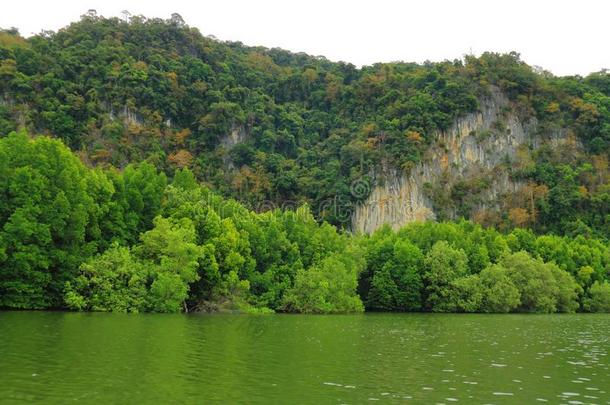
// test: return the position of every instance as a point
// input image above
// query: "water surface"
(60, 357)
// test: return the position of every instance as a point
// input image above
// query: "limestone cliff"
(237, 134)
(476, 148)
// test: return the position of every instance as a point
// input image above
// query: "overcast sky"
(565, 37)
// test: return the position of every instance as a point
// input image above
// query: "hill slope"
(274, 128)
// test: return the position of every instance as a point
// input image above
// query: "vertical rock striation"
(475, 145)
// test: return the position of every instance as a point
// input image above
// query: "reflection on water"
(56, 357)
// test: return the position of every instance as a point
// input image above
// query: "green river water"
(61, 357)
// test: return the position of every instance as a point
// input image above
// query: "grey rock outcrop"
(475, 144)
(236, 135)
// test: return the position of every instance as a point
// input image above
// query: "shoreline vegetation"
(160, 149)
(133, 241)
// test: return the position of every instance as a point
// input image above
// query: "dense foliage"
(158, 90)
(269, 126)
(462, 267)
(128, 241)
(132, 241)
(159, 116)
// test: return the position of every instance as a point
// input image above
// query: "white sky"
(565, 37)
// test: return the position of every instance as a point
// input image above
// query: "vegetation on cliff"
(132, 241)
(185, 144)
(124, 91)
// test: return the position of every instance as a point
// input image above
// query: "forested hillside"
(267, 126)
(132, 240)
(141, 162)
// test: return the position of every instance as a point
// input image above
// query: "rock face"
(128, 115)
(475, 146)
(236, 135)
